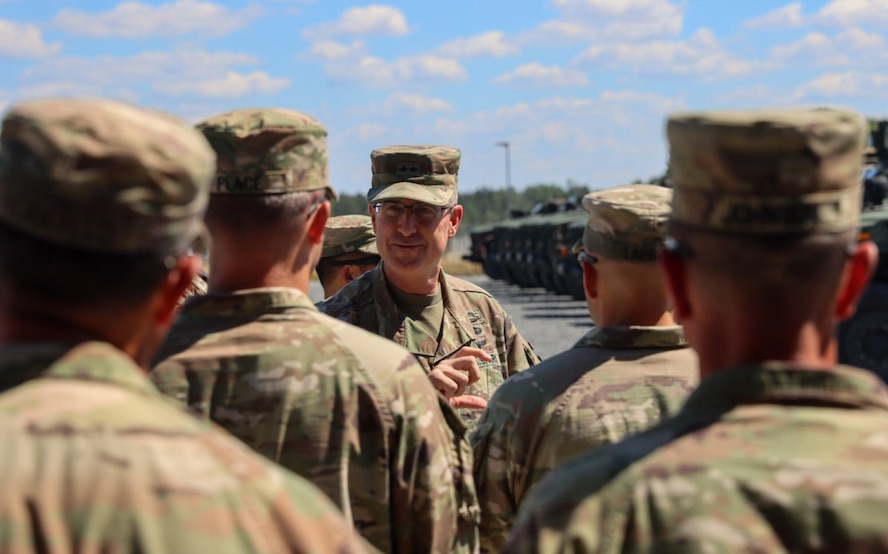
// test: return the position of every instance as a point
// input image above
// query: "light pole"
(505, 145)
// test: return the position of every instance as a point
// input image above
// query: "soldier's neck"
(229, 274)
(413, 283)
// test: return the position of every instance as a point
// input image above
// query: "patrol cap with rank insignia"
(767, 172)
(422, 173)
(268, 151)
(626, 223)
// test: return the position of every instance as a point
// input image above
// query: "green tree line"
(485, 204)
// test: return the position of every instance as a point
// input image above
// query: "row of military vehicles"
(534, 250)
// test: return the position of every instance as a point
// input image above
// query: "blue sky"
(579, 88)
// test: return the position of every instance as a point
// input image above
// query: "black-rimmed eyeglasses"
(424, 214)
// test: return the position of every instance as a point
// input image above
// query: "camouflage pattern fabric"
(423, 173)
(345, 234)
(268, 151)
(96, 460)
(351, 412)
(772, 457)
(767, 172)
(472, 317)
(614, 383)
(103, 176)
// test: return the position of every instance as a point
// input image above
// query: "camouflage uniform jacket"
(762, 458)
(96, 460)
(346, 409)
(472, 317)
(615, 382)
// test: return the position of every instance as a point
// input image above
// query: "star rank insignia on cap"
(407, 170)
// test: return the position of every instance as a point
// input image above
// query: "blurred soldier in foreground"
(779, 449)
(457, 330)
(625, 375)
(98, 203)
(349, 251)
(347, 409)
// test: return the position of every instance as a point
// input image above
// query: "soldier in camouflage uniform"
(458, 331)
(347, 409)
(349, 251)
(94, 458)
(629, 372)
(779, 449)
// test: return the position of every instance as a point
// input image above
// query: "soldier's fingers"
(469, 365)
(445, 385)
(469, 402)
(474, 352)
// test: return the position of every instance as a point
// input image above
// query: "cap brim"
(429, 194)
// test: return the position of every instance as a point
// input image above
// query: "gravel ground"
(550, 322)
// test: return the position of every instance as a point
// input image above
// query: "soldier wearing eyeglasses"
(459, 333)
(626, 374)
(350, 411)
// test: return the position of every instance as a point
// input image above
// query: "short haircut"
(49, 273)
(256, 215)
(772, 267)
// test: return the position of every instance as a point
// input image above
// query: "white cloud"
(846, 13)
(846, 84)
(133, 19)
(701, 55)
(853, 47)
(538, 75)
(607, 20)
(178, 72)
(23, 40)
(557, 138)
(332, 50)
(372, 20)
(372, 71)
(231, 85)
(415, 102)
(789, 15)
(491, 43)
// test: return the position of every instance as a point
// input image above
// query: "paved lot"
(550, 322)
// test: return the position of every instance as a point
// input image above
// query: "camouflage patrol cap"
(349, 233)
(627, 223)
(268, 151)
(103, 176)
(767, 172)
(422, 173)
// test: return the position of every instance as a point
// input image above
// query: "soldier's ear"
(317, 223)
(456, 215)
(675, 271)
(856, 277)
(182, 272)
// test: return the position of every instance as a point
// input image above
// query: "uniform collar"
(788, 383)
(635, 336)
(245, 303)
(391, 322)
(86, 361)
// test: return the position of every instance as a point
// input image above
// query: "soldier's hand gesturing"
(453, 375)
